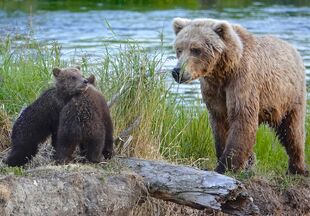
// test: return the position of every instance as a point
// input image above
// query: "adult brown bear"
(245, 80)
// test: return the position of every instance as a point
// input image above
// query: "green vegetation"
(17, 171)
(168, 129)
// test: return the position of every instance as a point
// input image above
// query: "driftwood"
(193, 187)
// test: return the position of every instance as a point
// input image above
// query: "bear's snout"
(176, 74)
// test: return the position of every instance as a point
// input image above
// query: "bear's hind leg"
(24, 147)
(19, 156)
(291, 133)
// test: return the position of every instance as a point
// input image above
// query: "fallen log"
(193, 187)
(116, 187)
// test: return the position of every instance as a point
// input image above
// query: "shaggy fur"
(40, 119)
(85, 122)
(245, 80)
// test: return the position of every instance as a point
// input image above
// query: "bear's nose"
(85, 81)
(176, 74)
(176, 70)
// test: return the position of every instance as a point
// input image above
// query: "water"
(81, 26)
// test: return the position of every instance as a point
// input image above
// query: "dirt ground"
(274, 200)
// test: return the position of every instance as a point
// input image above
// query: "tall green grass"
(25, 71)
(168, 129)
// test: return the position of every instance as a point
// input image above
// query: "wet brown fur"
(245, 80)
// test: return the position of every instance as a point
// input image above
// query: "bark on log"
(69, 191)
(193, 187)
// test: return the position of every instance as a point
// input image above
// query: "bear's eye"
(73, 78)
(179, 51)
(195, 51)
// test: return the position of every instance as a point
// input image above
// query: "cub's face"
(198, 47)
(70, 81)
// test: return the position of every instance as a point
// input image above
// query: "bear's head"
(69, 81)
(204, 45)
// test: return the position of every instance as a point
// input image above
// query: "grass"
(168, 129)
(17, 171)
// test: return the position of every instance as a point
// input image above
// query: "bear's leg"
(108, 146)
(65, 147)
(20, 155)
(220, 128)
(94, 150)
(54, 142)
(291, 132)
(240, 141)
(54, 131)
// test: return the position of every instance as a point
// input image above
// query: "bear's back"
(36, 121)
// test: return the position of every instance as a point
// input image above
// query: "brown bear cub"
(85, 121)
(245, 80)
(40, 119)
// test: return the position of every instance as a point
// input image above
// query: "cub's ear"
(56, 71)
(222, 28)
(78, 67)
(91, 79)
(179, 23)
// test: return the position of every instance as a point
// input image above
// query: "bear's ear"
(56, 71)
(78, 67)
(179, 23)
(91, 79)
(221, 28)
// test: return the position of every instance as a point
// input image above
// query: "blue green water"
(81, 26)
